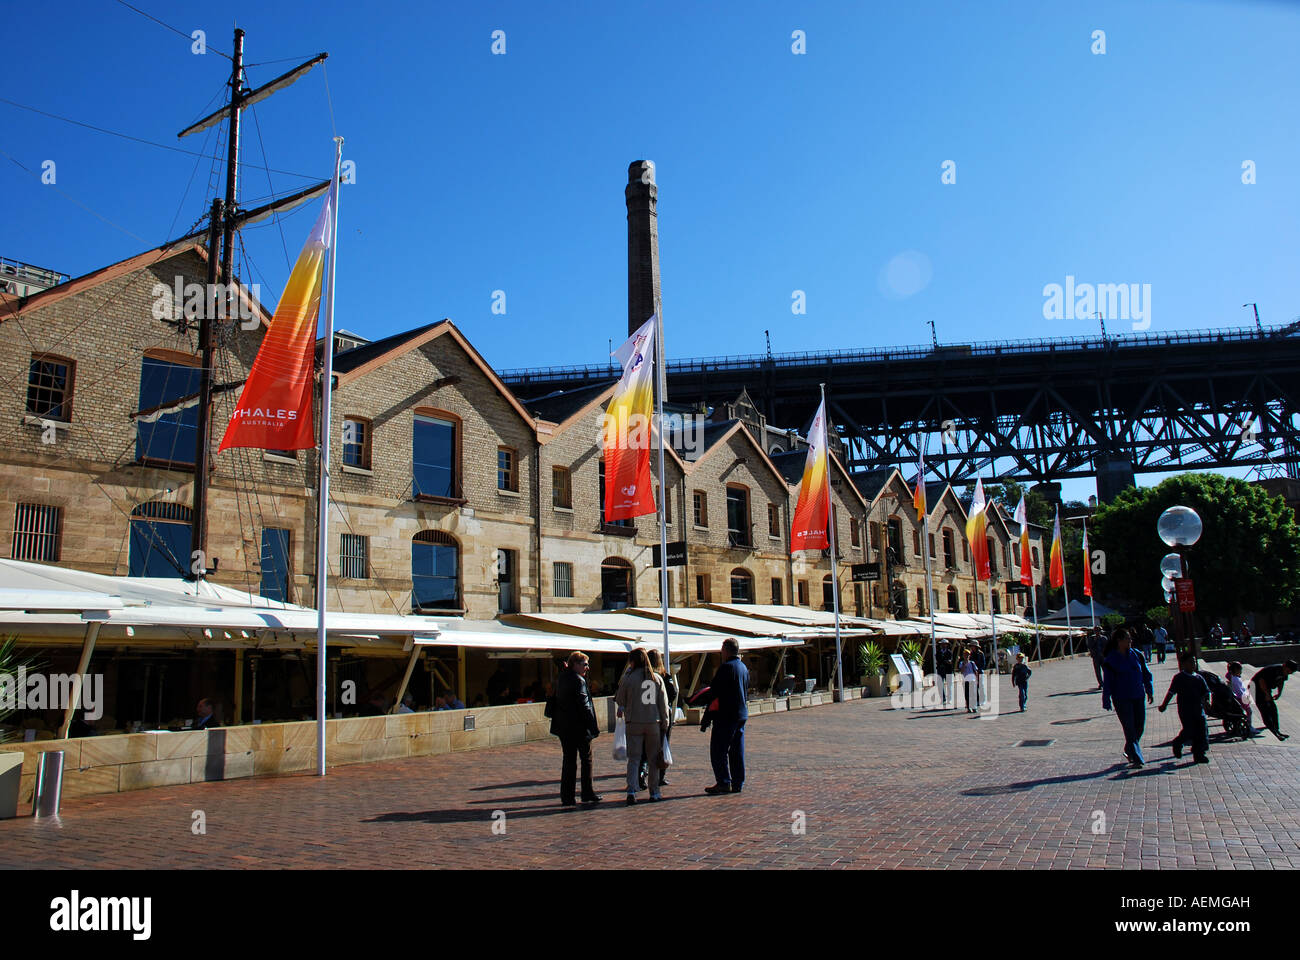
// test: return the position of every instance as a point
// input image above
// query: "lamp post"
(1179, 527)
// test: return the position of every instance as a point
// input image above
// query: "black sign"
(865, 572)
(1015, 587)
(676, 554)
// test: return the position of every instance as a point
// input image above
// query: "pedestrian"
(977, 657)
(943, 669)
(573, 720)
(657, 665)
(1238, 687)
(1162, 637)
(1146, 640)
(1020, 675)
(727, 746)
(1267, 680)
(970, 678)
(1193, 697)
(643, 703)
(1243, 635)
(1125, 678)
(1096, 650)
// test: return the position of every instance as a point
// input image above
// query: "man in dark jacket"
(727, 748)
(943, 668)
(573, 720)
(1269, 682)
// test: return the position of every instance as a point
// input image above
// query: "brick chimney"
(642, 243)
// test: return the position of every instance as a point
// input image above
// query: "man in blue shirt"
(727, 748)
(1124, 680)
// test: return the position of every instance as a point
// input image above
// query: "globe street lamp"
(1178, 527)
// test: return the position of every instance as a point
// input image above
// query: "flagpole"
(1092, 604)
(835, 572)
(929, 586)
(1033, 605)
(1065, 585)
(326, 385)
(661, 384)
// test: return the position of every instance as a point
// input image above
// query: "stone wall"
(135, 761)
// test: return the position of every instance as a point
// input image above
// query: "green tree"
(1248, 557)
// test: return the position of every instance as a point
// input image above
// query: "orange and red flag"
(274, 411)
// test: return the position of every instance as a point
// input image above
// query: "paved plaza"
(872, 787)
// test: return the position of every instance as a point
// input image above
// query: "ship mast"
(226, 216)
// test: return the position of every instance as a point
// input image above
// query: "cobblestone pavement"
(877, 787)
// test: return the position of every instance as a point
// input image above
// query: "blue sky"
(777, 172)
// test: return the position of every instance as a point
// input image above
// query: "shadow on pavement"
(1061, 723)
(611, 801)
(541, 783)
(1046, 781)
(1076, 693)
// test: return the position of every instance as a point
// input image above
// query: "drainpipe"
(537, 518)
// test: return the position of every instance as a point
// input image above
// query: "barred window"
(563, 579)
(37, 532)
(49, 387)
(354, 557)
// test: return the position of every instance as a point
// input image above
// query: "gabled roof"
(354, 364)
(715, 439)
(946, 494)
(12, 306)
(791, 463)
(871, 483)
(596, 397)
(560, 405)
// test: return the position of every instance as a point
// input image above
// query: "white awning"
(638, 631)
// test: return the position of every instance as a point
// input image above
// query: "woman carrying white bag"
(643, 704)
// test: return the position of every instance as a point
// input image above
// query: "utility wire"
(149, 16)
(117, 226)
(149, 143)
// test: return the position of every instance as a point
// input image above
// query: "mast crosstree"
(223, 220)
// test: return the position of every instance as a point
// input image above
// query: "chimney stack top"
(641, 171)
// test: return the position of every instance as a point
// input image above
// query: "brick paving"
(879, 788)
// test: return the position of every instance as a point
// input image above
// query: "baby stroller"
(1224, 706)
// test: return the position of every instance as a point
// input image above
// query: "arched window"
(997, 602)
(742, 586)
(435, 572)
(160, 540)
(952, 601)
(616, 584)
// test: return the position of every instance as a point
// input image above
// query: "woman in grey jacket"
(643, 703)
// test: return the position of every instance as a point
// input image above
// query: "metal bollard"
(49, 784)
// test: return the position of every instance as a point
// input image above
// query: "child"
(1239, 691)
(1193, 695)
(1020, 675)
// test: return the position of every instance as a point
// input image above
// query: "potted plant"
(871, 657)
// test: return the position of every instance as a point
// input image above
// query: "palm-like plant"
(871, 656)
(910, 650)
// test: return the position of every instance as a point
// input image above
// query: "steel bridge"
(1035, 410)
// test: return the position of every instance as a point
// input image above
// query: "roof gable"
(356, 363)
(15, 306)
(719, 441)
